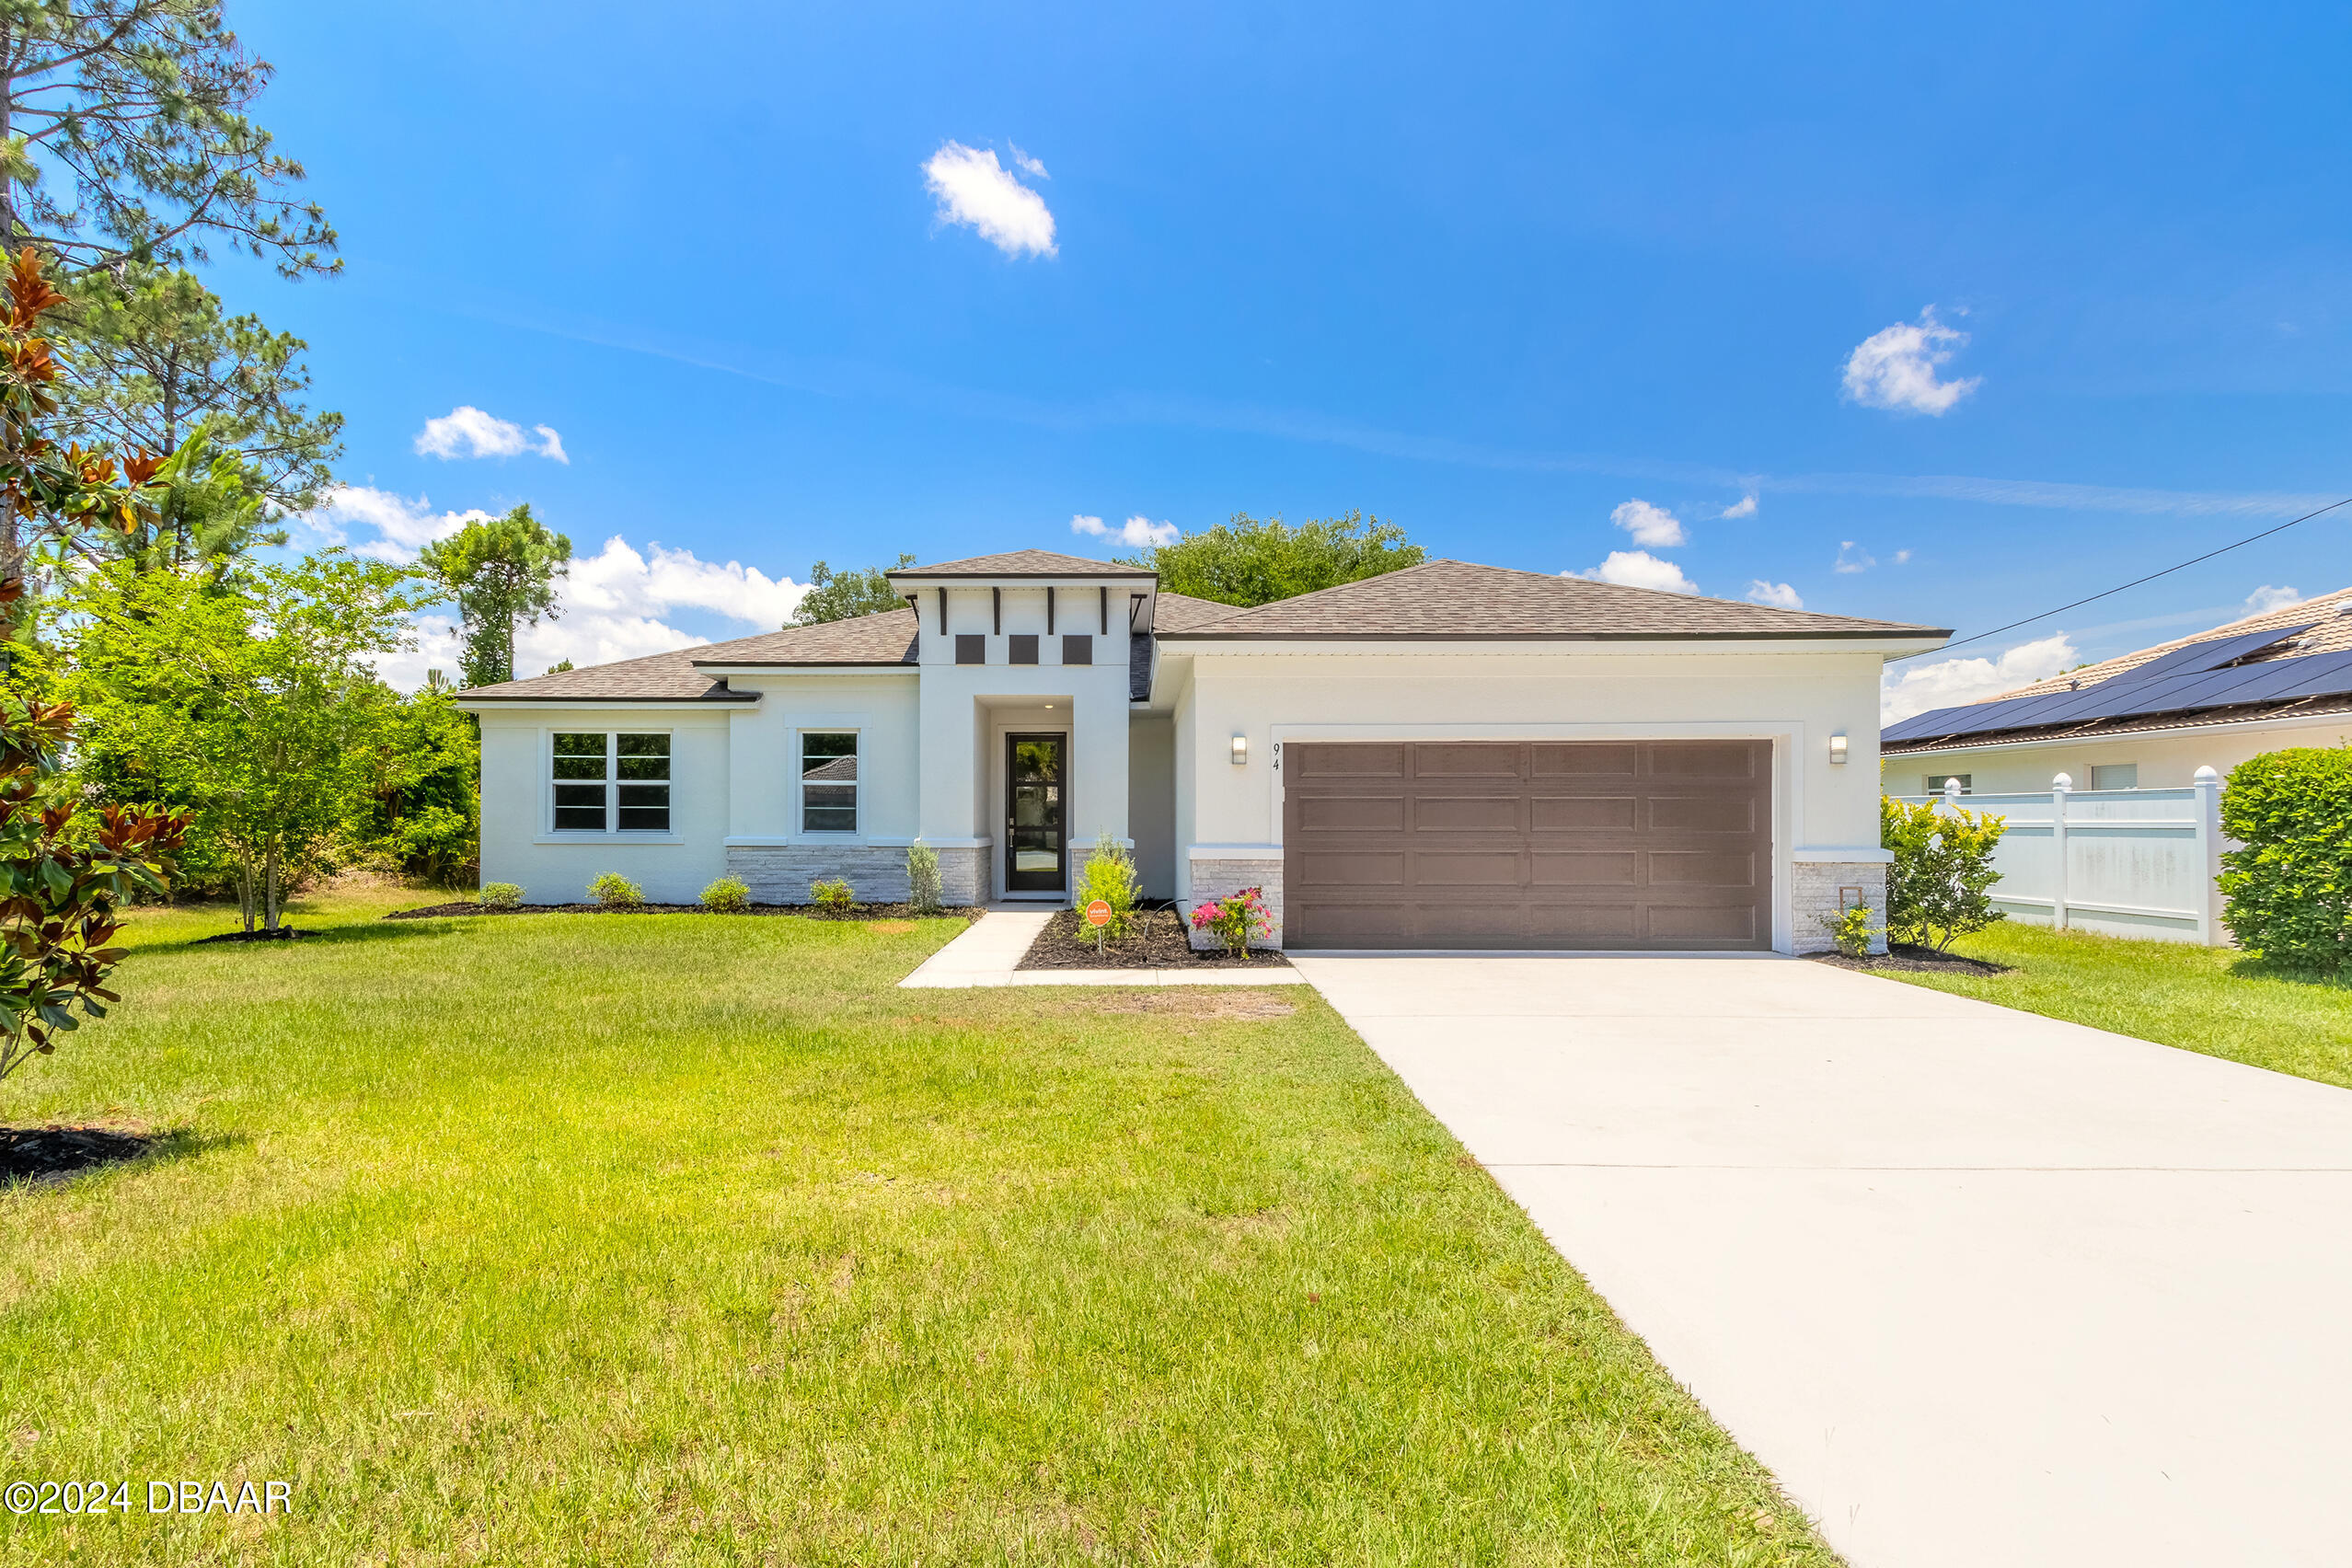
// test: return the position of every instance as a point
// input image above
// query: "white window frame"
(550, 833)
(2098, 767)
(800, 828)
(1967, 783)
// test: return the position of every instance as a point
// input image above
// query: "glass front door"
(1036, 808)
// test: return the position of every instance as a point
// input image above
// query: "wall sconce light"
(1241, 751)
(1838, 749)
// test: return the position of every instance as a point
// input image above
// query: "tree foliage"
(251, 702)
(1938, 889)
(1247, 562)
(62, 881)
(834, 595)
(127, 136)
(2290, 884)
(152, 359)
(500, 572)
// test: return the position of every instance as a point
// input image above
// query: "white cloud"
(1027, 165)
(1901, 557)
(1949, 682)
(1851, 560)
(1778, 595)
(2265, 598)
(1896, 369)
(1649, 525)
(1744, 507)
(402, 527)
(467, 432)
(614, 604)
(1138, 530)
(1639, 569)
(975, 189)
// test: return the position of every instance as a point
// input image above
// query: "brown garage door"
(1646, 844)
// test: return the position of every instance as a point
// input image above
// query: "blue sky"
(1494, 276)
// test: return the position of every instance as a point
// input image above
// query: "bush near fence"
(2290, 889)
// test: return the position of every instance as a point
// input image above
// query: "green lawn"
(2210, 999)
(685, 1239)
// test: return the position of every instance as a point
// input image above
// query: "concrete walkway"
(1980, 1287)
(990, 947)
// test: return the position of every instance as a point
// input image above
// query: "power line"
(2135, 582)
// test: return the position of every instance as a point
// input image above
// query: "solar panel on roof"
(2314, 674)
(2210, 688)
(2207, 655)
(2329, 682)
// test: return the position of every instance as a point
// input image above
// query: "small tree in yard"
(63, 880)
(1937, 888)
(2289, 888)
(251, 702)
(1109, 875)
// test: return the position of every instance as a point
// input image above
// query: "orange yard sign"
(1098, 913)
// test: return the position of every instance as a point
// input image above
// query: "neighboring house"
(1447, 756)
(2148, 720)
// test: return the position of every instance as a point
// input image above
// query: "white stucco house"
(2147, 719)
(1448, 757)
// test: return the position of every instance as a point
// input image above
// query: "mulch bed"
(31, 1153)
(805, 911)
(1918, 960)
(282, 934)
(1068, 942)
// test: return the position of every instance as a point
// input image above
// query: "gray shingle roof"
(1023, 563)
(887, 637)
(1456, 600)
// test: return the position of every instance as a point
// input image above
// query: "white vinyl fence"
(2127, 862)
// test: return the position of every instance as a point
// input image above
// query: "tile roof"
(1023, 563)
(886, 637)
(1456, 600)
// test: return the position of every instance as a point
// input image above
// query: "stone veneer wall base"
(1814, 894)
(876, 873)
(1213, 880)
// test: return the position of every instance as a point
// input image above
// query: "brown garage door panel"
(1651, 844)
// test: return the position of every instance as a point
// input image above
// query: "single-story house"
(1447, 756)
(2148, 720)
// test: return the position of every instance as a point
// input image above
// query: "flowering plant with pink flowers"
(1238, 919)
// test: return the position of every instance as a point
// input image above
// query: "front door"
(1036, 813)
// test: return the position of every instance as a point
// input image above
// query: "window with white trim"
(1935, 782)
(828, 780)
(2114, 775)
(610, 782)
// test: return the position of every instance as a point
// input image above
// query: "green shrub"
(615, 891)
(1850, 928)
(1937, 888)
(728, 895)
(1110, 876)
(499, 896)
(2290, 889)
(923, 878)
(835, 895)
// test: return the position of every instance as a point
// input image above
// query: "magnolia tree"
(64, 879)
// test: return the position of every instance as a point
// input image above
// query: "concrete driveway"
(1980, 1287)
